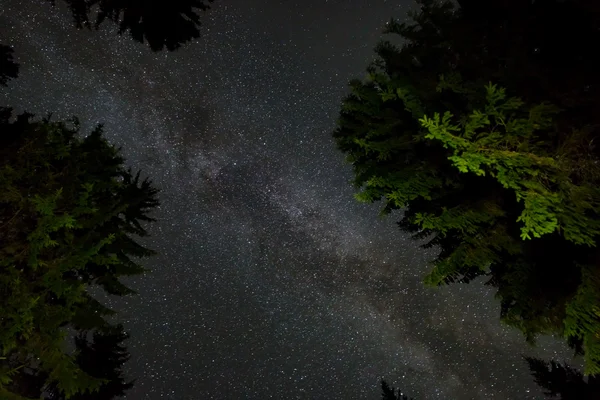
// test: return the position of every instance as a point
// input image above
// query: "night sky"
(271, 280)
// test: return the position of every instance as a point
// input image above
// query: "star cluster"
(270, 280)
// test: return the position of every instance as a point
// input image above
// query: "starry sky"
(271, 280)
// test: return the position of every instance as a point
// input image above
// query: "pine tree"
(160, 23)
(487, 145)
(69, 213)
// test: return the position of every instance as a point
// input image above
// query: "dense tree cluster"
(481, 126)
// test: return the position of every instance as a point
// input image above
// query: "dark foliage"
(560, 381)
(8, 68)
(69, 215)
(503, 178)
(101, 357)
(389, 393)
(160, 23)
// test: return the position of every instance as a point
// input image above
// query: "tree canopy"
(70, 213)
(160, 23)
(481, 127)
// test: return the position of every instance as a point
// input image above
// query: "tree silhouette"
(160, 23)
(8, 68)
(68, 217)
(388, 393)
(562, 381)
(559, 381)
(102, 358)
(502, 177)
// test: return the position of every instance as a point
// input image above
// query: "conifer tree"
(481, 128)
(70, 213)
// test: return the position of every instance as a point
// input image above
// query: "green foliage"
(583, 314)
(506, 141)
(68, 214)
(492, 165)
